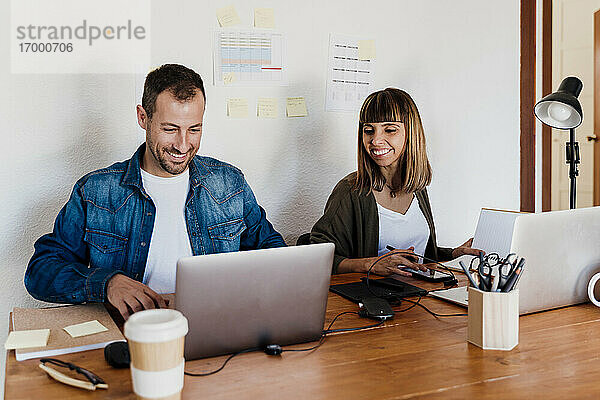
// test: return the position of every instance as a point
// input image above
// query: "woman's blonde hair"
(414, 172)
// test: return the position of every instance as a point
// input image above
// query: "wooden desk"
(413, 356)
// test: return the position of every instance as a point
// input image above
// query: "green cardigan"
(351, 222)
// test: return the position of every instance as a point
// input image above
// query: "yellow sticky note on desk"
(266, 107)
(264, 18)
(85, 328)
(237, 108)
(296, 107)
(366, 49)
(227, 16)
(27, 339)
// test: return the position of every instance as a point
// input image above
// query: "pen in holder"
(493, 321)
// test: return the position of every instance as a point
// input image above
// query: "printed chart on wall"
(349, 77)
(249, 58)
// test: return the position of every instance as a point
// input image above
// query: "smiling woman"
(374, 207)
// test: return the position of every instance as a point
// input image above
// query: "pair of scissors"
(511, 263)
(485, 274)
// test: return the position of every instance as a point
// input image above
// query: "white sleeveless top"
(402, 231)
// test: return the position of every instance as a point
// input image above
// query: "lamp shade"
(561, 109)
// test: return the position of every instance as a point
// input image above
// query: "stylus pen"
(468, 274)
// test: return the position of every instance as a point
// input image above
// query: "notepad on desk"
(60, 341)
(493, 234)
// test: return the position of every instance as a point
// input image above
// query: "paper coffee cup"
(156, 339)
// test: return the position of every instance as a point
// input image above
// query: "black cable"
(418, 303)
(321, 340)
(410, 307)
(356, 329)
(223, 365)
(405, 252)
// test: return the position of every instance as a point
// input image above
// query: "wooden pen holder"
(493, 322)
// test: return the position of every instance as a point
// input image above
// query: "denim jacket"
(106, 226)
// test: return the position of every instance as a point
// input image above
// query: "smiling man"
(120, 235)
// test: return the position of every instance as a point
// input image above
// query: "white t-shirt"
(402, 231)
(170, 240)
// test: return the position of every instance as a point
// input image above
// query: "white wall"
(458, 59)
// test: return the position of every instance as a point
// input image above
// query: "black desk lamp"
(561, 110)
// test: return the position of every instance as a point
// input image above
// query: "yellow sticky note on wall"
(85, 328)
(266, 107)
(227, 16)
(228, 78)
(366, 49)
(237, 108)
(264, 18)
(27, 339)
(296, 107)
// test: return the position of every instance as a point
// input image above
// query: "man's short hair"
(182, 82)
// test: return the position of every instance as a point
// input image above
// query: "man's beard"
(162, 158)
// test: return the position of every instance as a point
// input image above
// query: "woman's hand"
(390, 263)
(465, 249)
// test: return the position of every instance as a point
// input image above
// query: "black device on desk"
(385, 288)
(375, 308)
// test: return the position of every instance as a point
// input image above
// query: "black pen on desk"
(468, 274)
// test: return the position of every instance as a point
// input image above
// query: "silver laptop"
(562, 252)
(248, 299)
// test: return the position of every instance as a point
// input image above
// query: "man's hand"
(129, 296)
(465, 248)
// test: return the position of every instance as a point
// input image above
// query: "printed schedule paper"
(349, 77)
(255, 58)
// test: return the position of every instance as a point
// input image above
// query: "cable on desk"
(321, 340)
(410, 253)
(410, 307)
(418, 303)
(223, 365)
(329, 330)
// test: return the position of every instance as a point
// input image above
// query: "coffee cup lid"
(153, 326)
